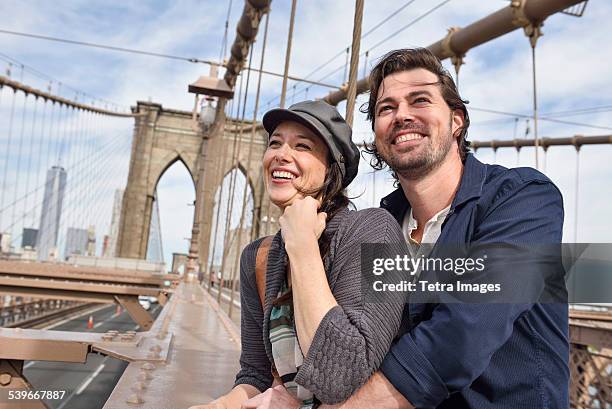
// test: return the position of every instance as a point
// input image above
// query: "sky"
(573, 69)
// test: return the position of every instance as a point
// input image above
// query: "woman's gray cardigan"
(353, 337)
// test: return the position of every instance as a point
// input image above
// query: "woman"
(313, 275)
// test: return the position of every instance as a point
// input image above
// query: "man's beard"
(413, 165)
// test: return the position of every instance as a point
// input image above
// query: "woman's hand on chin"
(300, 222)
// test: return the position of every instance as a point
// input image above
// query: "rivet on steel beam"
(155, 348)
(147, 366)
(5, 379)
(135, 399)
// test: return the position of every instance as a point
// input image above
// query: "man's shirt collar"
(472, 180)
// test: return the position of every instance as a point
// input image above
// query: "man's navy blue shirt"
(487, 355)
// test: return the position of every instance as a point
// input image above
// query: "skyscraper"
(91, 241)
(51, 213)
(155, 251)
(76, 242)
(114, 228)
(28, 238)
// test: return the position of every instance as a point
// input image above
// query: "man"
(459, 355)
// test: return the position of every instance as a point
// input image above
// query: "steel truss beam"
(458, 41)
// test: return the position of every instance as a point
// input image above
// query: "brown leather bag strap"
(261, 263)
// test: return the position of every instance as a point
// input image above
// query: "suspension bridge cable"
(55, 141)
(49, 155)
(581, 111)
(71, 144)
(247, 169)
(542, 118)
(99, 216)
(17, 178)
(410, 24)
(88, 149)
(288, 52)
(40, 186)
(370, 31)
(110, 47)
(535, 103)
(45, 76)
(81, 175)
(218, 178)
(223, 53)
(577, 197)
(40, 150)
(389, 17)
(8, 157)
(222, 178)
(352, 85)
(403, 28)
(228, 242)
(95, 203)
(31, 152)
(97, 136)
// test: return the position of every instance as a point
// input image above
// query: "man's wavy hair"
(408, 59)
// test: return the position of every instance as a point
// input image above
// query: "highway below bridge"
(87, 385)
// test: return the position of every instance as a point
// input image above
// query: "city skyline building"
(51, 213)
(28, 238)
(76, 241)
(5, 242)
(155, 252)
(91, 241)
(111, 250)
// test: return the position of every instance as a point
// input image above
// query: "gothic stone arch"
(161, 137)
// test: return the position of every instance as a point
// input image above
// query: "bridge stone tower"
(164, 136)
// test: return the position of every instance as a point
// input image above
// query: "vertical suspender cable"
(40, 154)
(84, 153)
(49, 151)
(230, 187)
(224, 41)
(535, 105)
(83, 168)
(228, 238)
(288, 54)
(346, 64)
(8, 157)
(352, 84)
(73, 158)
(247, 167)
(283, 90)
(30, 154)
(577, 190)
(78, 154)
(19, 156)
(219, 178)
